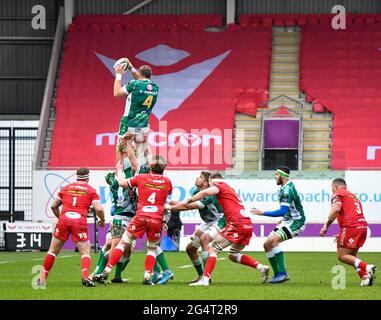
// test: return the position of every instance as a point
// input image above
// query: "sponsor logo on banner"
(315, 194)
(184, 148)
(15, 227)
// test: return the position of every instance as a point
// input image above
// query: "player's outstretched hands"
(121, 65)
(101, 223)
(256, 211)
(119, 69)
(323, 231)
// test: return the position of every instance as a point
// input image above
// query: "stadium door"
(16, 150)
(280, 143)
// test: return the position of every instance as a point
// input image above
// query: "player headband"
(82, 176)
(282, 173)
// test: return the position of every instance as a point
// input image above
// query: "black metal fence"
(16, 175)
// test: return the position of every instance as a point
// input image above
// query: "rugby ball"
(123, 62)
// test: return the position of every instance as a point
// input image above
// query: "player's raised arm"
(119, 91)
(122, 181)
(135, 73)
(55, 206)
(211, 191)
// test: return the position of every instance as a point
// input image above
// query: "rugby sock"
(101, 254)
(85, 264)
(120, 266)
(279, 255)
(360, 264)
(156, 268)
(362, 273)
(198, 266)
(114, 259)
(204, 256)
(273, 261)
(210, 263)
(48, 264)
(248, 261)
(161, 259)
(149, 264)
(103, 262)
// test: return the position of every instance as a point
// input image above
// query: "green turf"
(310, 275)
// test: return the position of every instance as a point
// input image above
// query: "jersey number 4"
(148, 102)
(152, 197)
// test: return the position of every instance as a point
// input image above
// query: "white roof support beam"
(138, 6)
(230, 11)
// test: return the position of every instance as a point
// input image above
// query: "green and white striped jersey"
(288, 196)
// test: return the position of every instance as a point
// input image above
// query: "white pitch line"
(191, 265)
(37, 259)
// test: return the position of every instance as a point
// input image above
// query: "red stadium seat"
(72, 27)
(318, 107)
(211, 88)
(359, 19)
(302, 20)
(232, 27)
(267, 22)
(343, 77)
(279, 22)
(370, 20)
(290, 22)
(256, 22)
(313, 20)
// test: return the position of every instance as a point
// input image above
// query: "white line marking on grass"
(37, 259)
(191, 265)
(59, 257)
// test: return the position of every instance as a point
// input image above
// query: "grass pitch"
(310, 278)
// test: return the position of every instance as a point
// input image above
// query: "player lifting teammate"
(348, 211)
(124, 207)
(76, 199)
(141, 95)
(236, 234)
(153, 189)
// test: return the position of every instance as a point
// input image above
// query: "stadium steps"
(284, 78)
(246, 142)
(317, 142)
(52, 116)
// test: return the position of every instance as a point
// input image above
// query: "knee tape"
(196, 242)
